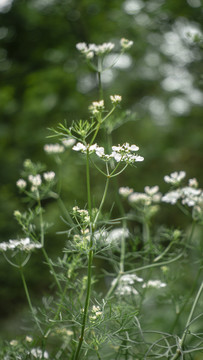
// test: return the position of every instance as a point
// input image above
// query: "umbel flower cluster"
(120, 153)
(89, 51)
(23, 245)
(188, 195)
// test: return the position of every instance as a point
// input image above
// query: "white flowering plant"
(116, 277)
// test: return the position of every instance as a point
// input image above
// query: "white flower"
(35, 180)
(151, 190)
(28, 339)
(115, 99)
(193, 183)
(100, 151)
(79, 147)
(125, 191)
(54, 148)
(49, 176)
(137, 197)
(95, 312)
(91, 49)
(191, 196)
(82, 47)
(96, 107)
(21, 183)
(130, 279)
(104, 48)
(125, 284)
(39, 354)
(68, 142)
(22, 244)
(175, 177)
(13, 342)
(126, 44)
(125, 153)
(171, 197)
(154, 283)
(116, 235)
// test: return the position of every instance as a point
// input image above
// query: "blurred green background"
(45, 81)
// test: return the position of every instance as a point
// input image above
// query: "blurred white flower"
(175, 177)
(21, 183)
(154, 284)
(22, 244)
(54, 148)
(49, 176)
(172, 197)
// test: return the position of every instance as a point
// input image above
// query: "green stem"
(102, 202)
(186, 301)
(41, 220)
(99, 78)
(42, 242)
(29, 300)
(88, 186)
(81, 338)
(182, 340)
(90, 259)
(52, 269)
(58, 311)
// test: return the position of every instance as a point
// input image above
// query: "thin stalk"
(181, 343)
(29, 300)
(52, 269)
(99, 78)
(42, 242)
(90, 259)
(58, 310)
(88, 186)
(41, 220)
(102, 201)
(81, 338)
(146, 233)
(186, 301)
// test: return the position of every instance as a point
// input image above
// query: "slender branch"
(182, 340)
(29, 300)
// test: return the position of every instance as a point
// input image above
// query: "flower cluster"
(22, 244)
(151, 195)
(125, 191)
(120, 153)
(95, 312)
(54, 148)
(82, 213)
(49, 175)
(36, 180)
(39, 354)
(175, 178)
(126, 44)
(21, 184)
(125, 284)
(115, 99)
(154, 284)
(96, 107)
(92, 49)
(188, 195)
(68, 142)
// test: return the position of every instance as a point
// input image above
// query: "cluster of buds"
(96, 107)
(96, 313)
(36, 180)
